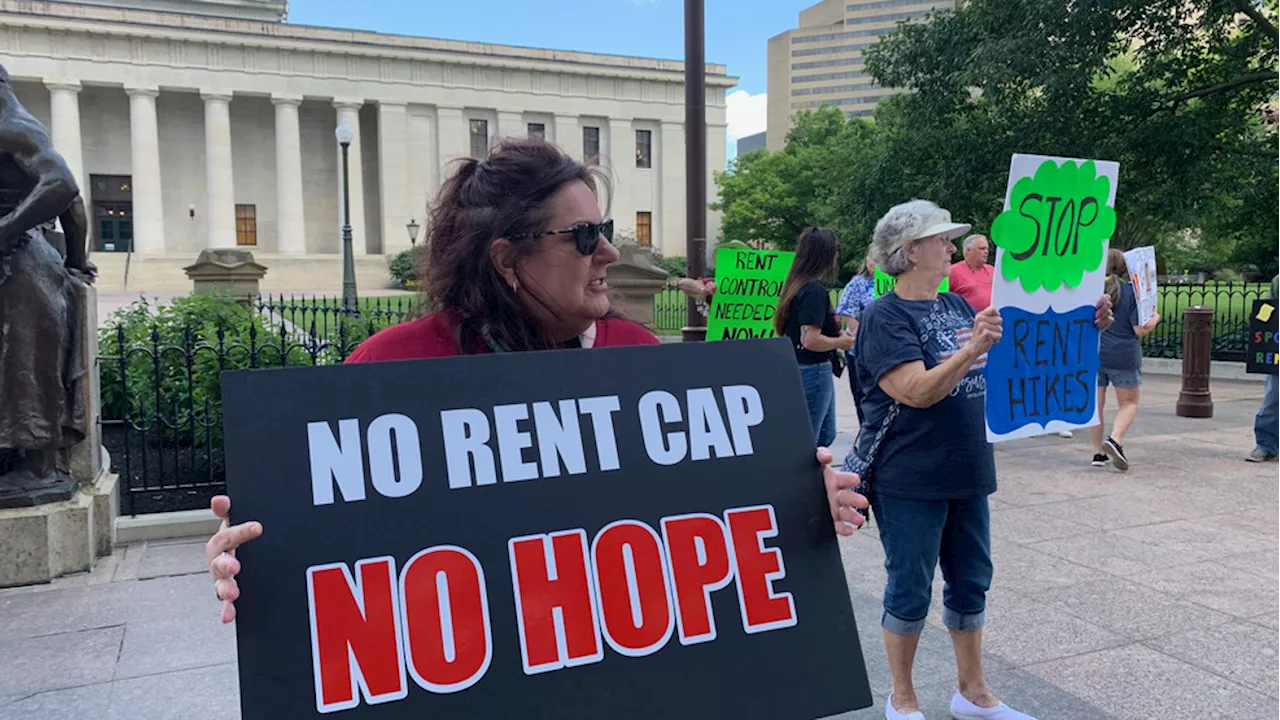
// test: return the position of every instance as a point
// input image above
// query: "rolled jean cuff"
(961, 621)
(898, 626)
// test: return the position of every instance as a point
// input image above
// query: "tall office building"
(820, 62)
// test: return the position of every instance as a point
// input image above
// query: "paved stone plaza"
(1150, 594)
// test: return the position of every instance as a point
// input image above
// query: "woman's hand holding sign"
(987, 329)
(221, 553)
(841, 498)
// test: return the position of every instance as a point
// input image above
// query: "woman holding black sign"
(923, 453)
(805, 315)
(517, 260)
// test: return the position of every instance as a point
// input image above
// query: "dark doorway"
(112, 212)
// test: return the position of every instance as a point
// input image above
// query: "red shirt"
(973, 285)
(433, 336)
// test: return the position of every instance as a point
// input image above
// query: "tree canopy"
(1182, 93)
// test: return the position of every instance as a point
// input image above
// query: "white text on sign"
(528, 441)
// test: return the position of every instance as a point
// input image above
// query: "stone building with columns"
(194, 124)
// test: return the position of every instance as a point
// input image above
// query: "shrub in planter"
(173, 356)
(403, 266)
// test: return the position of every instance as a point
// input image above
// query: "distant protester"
(1119, 364)
(805, 316)
(1265, 422)
(856, 296)
(971, 277)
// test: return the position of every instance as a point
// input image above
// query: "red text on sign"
(629, 587)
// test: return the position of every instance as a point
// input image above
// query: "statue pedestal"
(633, 282)
(226, 270)
(44, 541)
(38, 544)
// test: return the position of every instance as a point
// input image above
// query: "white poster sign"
(1142, 273)
(1052, 241)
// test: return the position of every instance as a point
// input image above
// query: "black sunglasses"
(586, 236)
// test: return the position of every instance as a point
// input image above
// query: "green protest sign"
(1056, 229)
(748, 285)
(885, 283)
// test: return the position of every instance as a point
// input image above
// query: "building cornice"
(283, 36)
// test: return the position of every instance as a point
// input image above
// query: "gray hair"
(899, 226)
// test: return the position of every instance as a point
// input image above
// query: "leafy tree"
(1172, 89)
(773, 196)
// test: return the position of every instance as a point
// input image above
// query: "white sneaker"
(962, 709)
(891, 713)
(1065, 434)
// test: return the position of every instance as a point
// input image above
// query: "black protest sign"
(1261, 355)
(615, 532)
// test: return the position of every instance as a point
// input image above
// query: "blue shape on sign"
(1044, 368)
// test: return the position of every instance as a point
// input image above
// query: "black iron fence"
(1231, 303)
(161, 392)
(160, 373)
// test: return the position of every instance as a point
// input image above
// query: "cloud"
(747, 114)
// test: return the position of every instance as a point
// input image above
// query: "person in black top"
(805, 315)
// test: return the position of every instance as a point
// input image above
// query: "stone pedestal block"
(226, 270)
(38, 544)
(634, 281)
(84, 460)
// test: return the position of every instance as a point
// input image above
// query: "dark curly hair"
(506, 194)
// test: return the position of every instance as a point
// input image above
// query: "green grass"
(1228, 300)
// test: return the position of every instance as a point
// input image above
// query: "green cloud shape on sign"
(1056, 226)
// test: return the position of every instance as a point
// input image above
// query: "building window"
(644, 149)
(479, 138)
(246, 225)
(590, 142)
(644, 229)
(538, 131)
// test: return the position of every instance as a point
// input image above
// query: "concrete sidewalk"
(1148, 594)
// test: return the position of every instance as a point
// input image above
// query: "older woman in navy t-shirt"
(923, 452)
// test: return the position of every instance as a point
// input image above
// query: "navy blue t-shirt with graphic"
(939, 452)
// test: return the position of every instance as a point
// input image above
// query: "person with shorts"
(1119, 364)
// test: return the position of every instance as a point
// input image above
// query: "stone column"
(349, 110)
(568, 136)
(622, 160)
(670, 223)
(291, 230)
(64, 109)
(454, 136)
(219, 186)
(148, 198)
(716, 160)
(393, 166)
(511, 124)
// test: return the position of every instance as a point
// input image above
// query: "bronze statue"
(42, 358)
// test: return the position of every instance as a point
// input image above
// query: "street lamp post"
(412, 227)
(350, 302)
(695, 158)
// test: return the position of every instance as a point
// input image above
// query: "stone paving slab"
(78, 703)
(1138, 595)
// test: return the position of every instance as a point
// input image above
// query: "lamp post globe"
(413, 227)
(350, 302)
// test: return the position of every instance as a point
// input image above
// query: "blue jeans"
(917, 535)
(1264, 423)
(820, 394)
